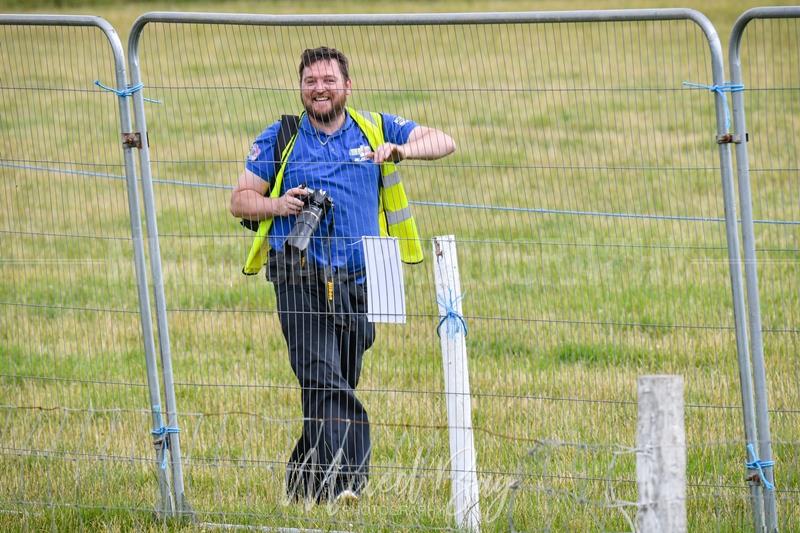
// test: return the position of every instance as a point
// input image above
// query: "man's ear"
(348, 87)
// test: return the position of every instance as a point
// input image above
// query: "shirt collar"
(305, 125)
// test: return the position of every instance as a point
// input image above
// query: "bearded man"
(320, 290)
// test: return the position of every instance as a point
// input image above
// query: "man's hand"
(388, 152)
(250, 199)
(291, 203)
(423, 143)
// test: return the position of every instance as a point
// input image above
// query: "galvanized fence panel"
(77, 403)
(587, 202)
(764, 60)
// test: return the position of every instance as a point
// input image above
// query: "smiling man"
(336, 168)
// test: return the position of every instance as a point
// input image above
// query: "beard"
(337, 108)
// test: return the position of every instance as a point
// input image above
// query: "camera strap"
(288, 129)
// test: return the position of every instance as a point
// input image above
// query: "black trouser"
(327, 340)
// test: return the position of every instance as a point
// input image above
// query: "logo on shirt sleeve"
(255, 151)
(400, 121)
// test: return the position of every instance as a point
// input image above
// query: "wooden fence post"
(661, 455)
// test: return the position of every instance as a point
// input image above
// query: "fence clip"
(132, 140)
(161, 442)
(729, 138)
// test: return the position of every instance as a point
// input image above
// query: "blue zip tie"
(455, 321)
(757, 464)
(124, 93)
(721, 89)
(163, 431)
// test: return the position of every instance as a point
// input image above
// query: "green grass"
(565, 311)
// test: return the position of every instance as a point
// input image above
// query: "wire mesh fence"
(585, 196)
(768, 66)
(74, 396)
(586, 201)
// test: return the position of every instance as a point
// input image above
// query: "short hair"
(323, 53)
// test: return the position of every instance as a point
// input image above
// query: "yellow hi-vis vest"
(394, 213)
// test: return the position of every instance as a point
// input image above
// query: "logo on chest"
(359, 155)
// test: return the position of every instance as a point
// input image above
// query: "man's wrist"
(402, 153)
(272, 206)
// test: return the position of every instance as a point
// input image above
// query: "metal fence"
(589, 197)
(76, 333)
(585, 191)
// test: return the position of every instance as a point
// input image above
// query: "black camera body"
(316, 205)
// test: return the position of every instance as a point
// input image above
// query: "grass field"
(585, 196)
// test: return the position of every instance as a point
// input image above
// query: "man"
(321, 295)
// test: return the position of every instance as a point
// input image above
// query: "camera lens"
(316, 206)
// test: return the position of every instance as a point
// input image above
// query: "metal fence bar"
(734, 260)
(412, 19)
(171, 434)
(763, 436)
(164, 506)
(718, 78)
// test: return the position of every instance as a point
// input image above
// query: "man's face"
(324, 90)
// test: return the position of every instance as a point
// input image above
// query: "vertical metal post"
(165, 508)
(735, 266)
(182, 508)
(661, 455)
(750, 260)
(463, 465)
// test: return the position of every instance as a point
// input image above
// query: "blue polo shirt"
(336, 164)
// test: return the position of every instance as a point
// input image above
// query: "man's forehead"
(323, 67)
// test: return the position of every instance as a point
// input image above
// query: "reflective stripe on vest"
(394, 213)
(395, 217)
(391, 179)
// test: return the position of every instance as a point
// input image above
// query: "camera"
(316, 205)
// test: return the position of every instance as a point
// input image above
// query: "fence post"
(170, 432)
(661, 459)
(751, 263)
(165, 506)
(452, 333)
(735, 265)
